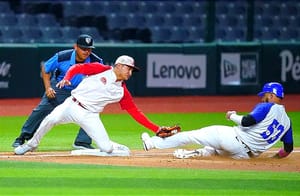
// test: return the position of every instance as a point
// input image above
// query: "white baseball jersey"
(272, 124)
(96, 91)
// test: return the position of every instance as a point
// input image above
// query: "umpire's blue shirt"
(59, 64)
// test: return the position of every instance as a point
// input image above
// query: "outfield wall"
(168, 69)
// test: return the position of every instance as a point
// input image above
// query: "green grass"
(25, 178)
(53, 179)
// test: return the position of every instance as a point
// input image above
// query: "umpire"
(53, 70)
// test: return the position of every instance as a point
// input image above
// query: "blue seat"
(8, 19)
(92, 31)
(230, 34)
(147, 7)
(261, 21)
(220, 34)
(237, 35)
(190, 20)
(91, 8)
(31, 34)
(129, 7)
(268, 8)
(294, 21)
(179, 35)
(116, 21)
(289, 34)
(70, 34)
(136, 21)
(231, 10)
(72, 8)
(230, 27)
(196, 34)
(51, 35)
(266, 34)
(11, 34)
(173, 20)
(200, 7)
(25, 19)
(166, 7)
(160, 34)
(222, 7)
(4, 7)
(184, 7)
(47, 20)
(280, 21)
(225, 20)
(271, 9)
(187, 7)
(238, 8)
(154, 20)
(111, 7)
(289, 8)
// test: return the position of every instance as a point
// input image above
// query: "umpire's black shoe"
(18, 142)
(82, 146)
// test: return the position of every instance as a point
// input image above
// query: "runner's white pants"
(216, 139)
(71, 112)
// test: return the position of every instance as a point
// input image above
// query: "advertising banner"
(239, 66)
(168, 69)
(19, 71)
(282, 63)
(176, 71)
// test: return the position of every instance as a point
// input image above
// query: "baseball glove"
(166, 131)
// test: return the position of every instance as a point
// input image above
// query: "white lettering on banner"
(3, 84)
(230, 69)
(289, 65)
(4, 72)
(173, 71)
(4, 69)
(248, 68)
(176, 71)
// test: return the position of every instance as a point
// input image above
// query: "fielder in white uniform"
(254, 134)
(102, 85)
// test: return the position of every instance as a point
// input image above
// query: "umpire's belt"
(248, 150)
(76, 101)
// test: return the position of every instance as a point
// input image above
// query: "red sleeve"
(127, 104)
(86, 69)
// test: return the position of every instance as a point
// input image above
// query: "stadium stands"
(172, 21)
(31, 34)
(4, 7)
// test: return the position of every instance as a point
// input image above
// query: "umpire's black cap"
(85, 41)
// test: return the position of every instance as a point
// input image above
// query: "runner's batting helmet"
(272, 87)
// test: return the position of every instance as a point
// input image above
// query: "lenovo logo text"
(172, 71)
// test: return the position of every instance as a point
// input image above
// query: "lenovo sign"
(176, 71)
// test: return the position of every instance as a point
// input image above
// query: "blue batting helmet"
(272, 87)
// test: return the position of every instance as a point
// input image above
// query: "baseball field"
(52, 170)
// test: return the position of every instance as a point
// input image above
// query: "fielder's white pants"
(71, 112)
(216, 139)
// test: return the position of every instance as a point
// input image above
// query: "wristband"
(236, 118)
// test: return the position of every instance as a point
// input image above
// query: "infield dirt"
(164, 158)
